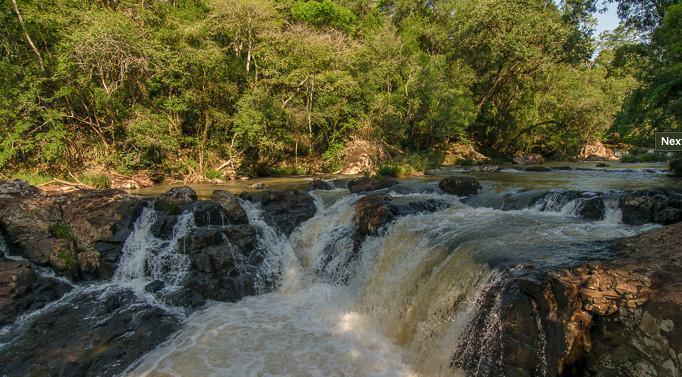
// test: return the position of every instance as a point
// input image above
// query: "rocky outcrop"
(284, 210)
(23, 290)
(365, 184)
(659, 206)
(614, 318)
(676, 167)
(459, 152)
(79, 234)
(374, 211)
(460, 185)
(234, 211)
(94, 334)
(529, 159)
(224, 264)
(362, 156)
(318, 184)
(596, 151)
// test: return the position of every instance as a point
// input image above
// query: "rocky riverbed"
(92, 282)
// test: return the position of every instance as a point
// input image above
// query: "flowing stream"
(398, 309)
(394, 305)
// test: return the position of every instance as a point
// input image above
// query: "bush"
(646, 157)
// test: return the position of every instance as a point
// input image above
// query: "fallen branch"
(65, 183)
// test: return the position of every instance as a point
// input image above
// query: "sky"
(608, 20)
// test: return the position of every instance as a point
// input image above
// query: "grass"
(32, 178)
(98, 181)
(68, 258)
(61, 230)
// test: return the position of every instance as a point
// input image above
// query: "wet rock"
(591, 208)
(208, 213)
(538, 169)
(224, 262)
(283, 209)
(234, 210)
(460, 186)
(364, 184)
(562, 168)
(175, 198)
(676, 167)
(23, 290)
(609, 318)
(154, 286)
(485, 168)
(374, 211)
(318, 184)
(94, 334)
(659, 206)
(80, 234)
(259, 186)
(602, 165)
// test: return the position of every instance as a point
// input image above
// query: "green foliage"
(323, 13)
(68, 258)
(98, 181)
(61, 230)
(645, 157)
(183, 86)
(213, 174)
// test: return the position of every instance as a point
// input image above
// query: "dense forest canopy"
(186, 86)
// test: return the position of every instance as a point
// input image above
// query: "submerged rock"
(94, 334)
(460, 186)
(676, 167)
(364, 184)
(283, 209)
(538, 169)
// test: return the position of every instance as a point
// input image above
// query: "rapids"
(397, 309)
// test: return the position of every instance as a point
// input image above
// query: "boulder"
(284, 210)
(459, 152)
(660, 206)
(538, 169)
(618, 317)
(676, 167)
(374, 211)
(362, 156)
(364, 184)
(318, 184)
(23, 290)
(259, 186)
(460, 185)
(17, 188)
(596, 151)
(224, 263)
(591, 208)
(175, 198)
(93, 334)
(80, 234)
(528, 159)
(235, 212)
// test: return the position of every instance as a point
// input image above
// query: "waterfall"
(145, 258)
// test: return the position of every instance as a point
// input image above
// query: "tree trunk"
(28, 37)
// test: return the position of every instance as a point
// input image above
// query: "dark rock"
(560, 168)
(18, 189)
(284, 210)
(538, 169)
(234, 210)
(602, 165)
(224, 261)
(208, 213)
(175, 198)
(460, 186)
(374, 211)
(23, 290)
(659, 206)
(318, 184)
(370, 184)
(591, 208)
(79, 234)
(676, 167)
(154, 286)
(94, 334)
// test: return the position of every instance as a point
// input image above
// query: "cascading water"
(398, 307)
